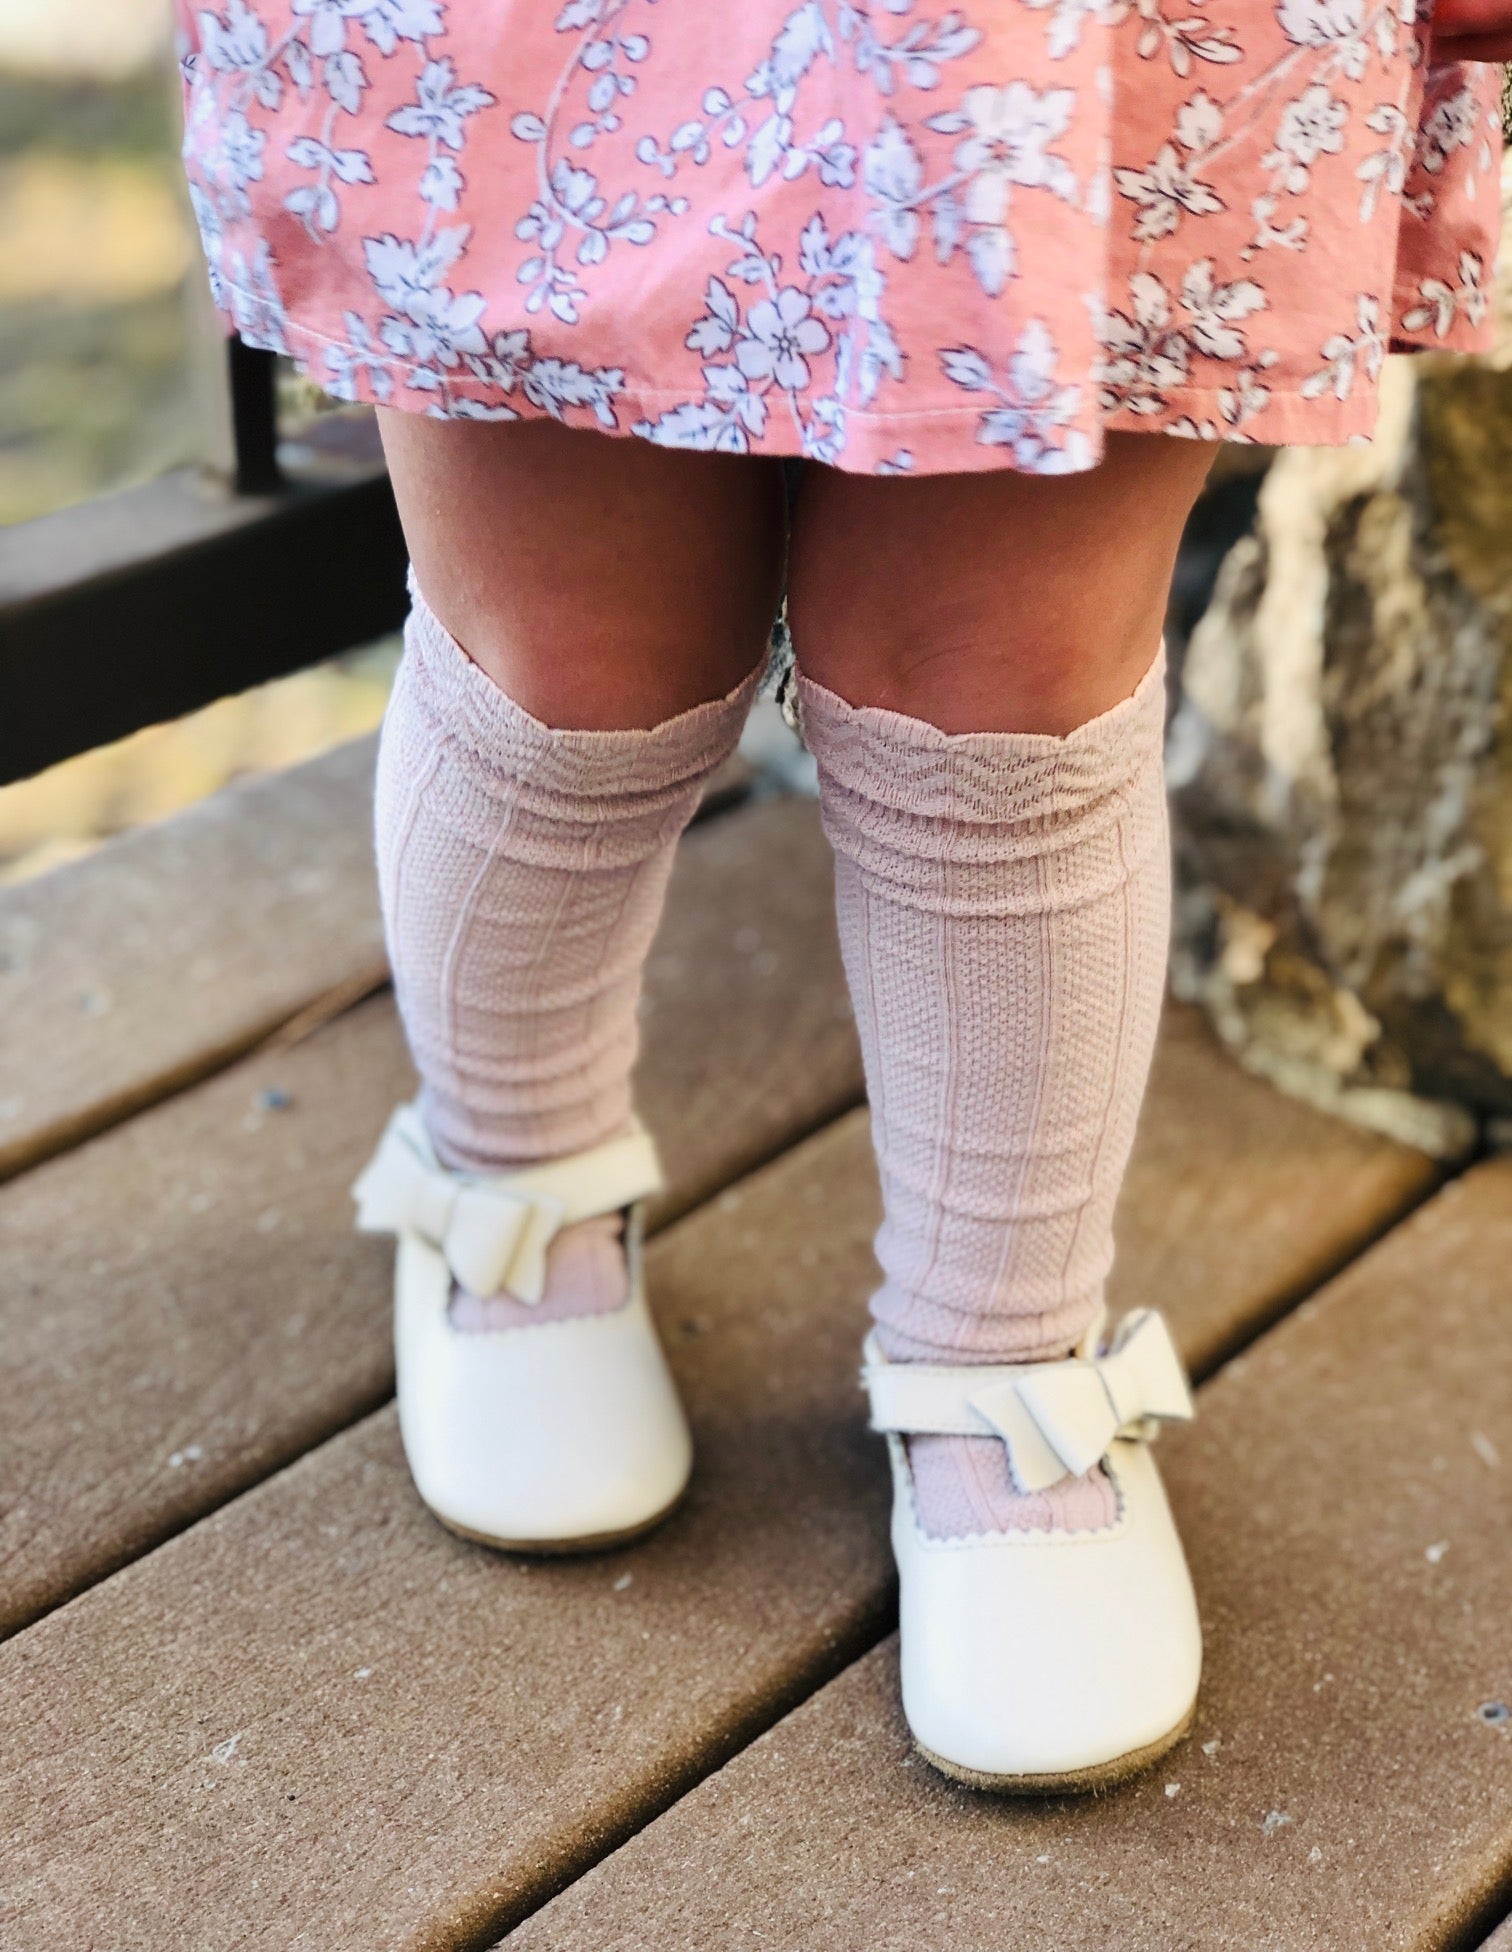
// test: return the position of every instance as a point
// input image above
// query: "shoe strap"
(494, 1229)
(1057, 1419)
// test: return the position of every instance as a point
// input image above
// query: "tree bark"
(1341, 762)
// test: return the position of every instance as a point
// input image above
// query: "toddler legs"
(523, 859)
(984, 696)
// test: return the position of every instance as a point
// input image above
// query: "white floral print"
(1172, 187)
(1347, 355)
(1311, 125)
(1032, 414)
(896, 235)
(1443, 302)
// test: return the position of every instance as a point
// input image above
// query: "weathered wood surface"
(172, 951)
(319, 1720)
(1239, 1201)
(1346, 1496)
(185, 1307)
(415, 1742)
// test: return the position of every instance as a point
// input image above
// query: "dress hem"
(879, 443)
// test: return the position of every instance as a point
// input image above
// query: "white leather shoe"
(1037, 1662)
(553, 1437)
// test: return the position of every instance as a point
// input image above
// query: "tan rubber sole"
(564, 1548)
(1067, 1782)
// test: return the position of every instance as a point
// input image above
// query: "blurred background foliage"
(102, 322)
(94, 253)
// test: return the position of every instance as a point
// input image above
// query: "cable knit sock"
(1004, 909)
(522, 872)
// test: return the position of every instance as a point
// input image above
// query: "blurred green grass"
(82, 116)
(92, 383)
(90, 399)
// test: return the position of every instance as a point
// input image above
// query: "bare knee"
(991, 603)
(1023, 655)
(601, 583)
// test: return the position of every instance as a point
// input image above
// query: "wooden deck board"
(1347, 1496)
(415, 1735)
(317, 1720)
(1239, 1201)
(186, 1307)
(171, 951)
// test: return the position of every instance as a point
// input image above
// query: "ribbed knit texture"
(1004, 907)
(523, 871)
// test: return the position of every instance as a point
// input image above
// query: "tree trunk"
(1341, 761)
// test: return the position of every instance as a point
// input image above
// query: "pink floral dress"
(887, 234)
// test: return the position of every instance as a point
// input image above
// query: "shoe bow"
(1057, 1419)
(494, 1233)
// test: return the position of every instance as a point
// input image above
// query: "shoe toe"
(570, 1433)
(1051, 1656)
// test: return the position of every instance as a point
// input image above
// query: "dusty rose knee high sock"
(522, 872)
(1004, 910)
